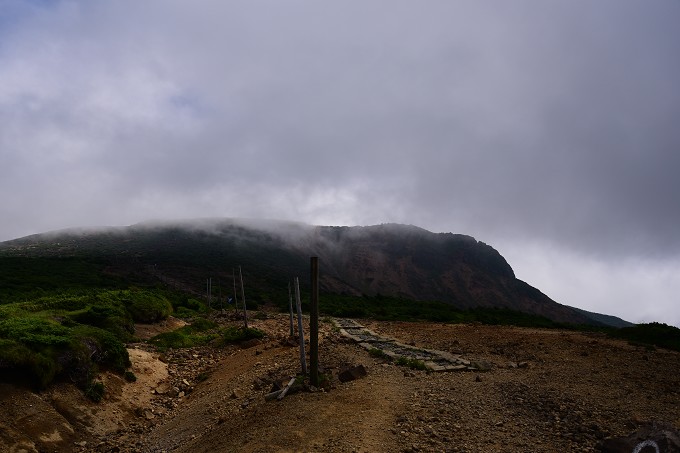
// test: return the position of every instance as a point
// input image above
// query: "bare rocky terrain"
(546, 390)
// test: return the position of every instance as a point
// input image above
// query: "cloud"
(636, 289)
(551, 123)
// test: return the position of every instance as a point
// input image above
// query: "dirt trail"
(228, 412)
(572, 390)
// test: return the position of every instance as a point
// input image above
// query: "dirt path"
(572, 390)
(228, 412)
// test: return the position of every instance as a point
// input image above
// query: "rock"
(482, 365)
(163, 388)
(523, 365)
(352, 373)
(512, 365)
(648, 439)
(236, 394)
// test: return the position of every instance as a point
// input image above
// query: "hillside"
(398, 261)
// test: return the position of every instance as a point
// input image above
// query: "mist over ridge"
(390, 259)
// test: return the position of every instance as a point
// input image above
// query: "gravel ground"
(547, 390)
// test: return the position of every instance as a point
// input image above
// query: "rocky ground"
(571, 391)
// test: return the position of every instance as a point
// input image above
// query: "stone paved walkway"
(434, 360)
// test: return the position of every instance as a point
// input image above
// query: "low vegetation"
(202, 332)
(70, 336)
(654, 334)
(67, 318)
(384, 308)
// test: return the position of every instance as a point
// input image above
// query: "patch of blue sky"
(189, 105)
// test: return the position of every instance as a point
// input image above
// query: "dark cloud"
(518, 123)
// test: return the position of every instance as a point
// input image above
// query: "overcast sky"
(547, 129)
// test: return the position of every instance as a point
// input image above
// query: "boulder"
(352, 373)
(650, 438)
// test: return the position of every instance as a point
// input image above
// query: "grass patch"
(379, 354)
(414, 364)
(201, 332)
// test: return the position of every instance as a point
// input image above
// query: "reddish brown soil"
(575, 389)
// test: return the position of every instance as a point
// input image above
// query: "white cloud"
(637, 289)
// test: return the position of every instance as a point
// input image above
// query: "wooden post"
(233, 273)
(301, 332)
(290, 309)
(219, 292)
(243, 297)
(314, 324)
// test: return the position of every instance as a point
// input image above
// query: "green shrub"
(201, 325)
(101, 346)
(72, 335)
(236, 334)
(95, 391)
(188, 307)
(176, 339)
(20, 363)
(34, 330)
(130, 376)
(145, 306)
(113, 318)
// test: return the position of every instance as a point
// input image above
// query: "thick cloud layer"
(548, 127)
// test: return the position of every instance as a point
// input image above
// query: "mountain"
(393, 260)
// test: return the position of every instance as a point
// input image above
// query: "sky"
(548, 129)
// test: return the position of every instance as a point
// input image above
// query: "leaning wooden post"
(301, 332)
(314, 324)
(243, 298)
(290, 309)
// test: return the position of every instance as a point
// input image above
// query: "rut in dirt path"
(433, 359)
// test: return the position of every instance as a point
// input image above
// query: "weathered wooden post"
(314, 324)
(290, 309)
(243, 297)
(301, 332)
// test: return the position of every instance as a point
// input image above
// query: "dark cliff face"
(392, 260)
(409, 262)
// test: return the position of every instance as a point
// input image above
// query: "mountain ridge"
(389, 259)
